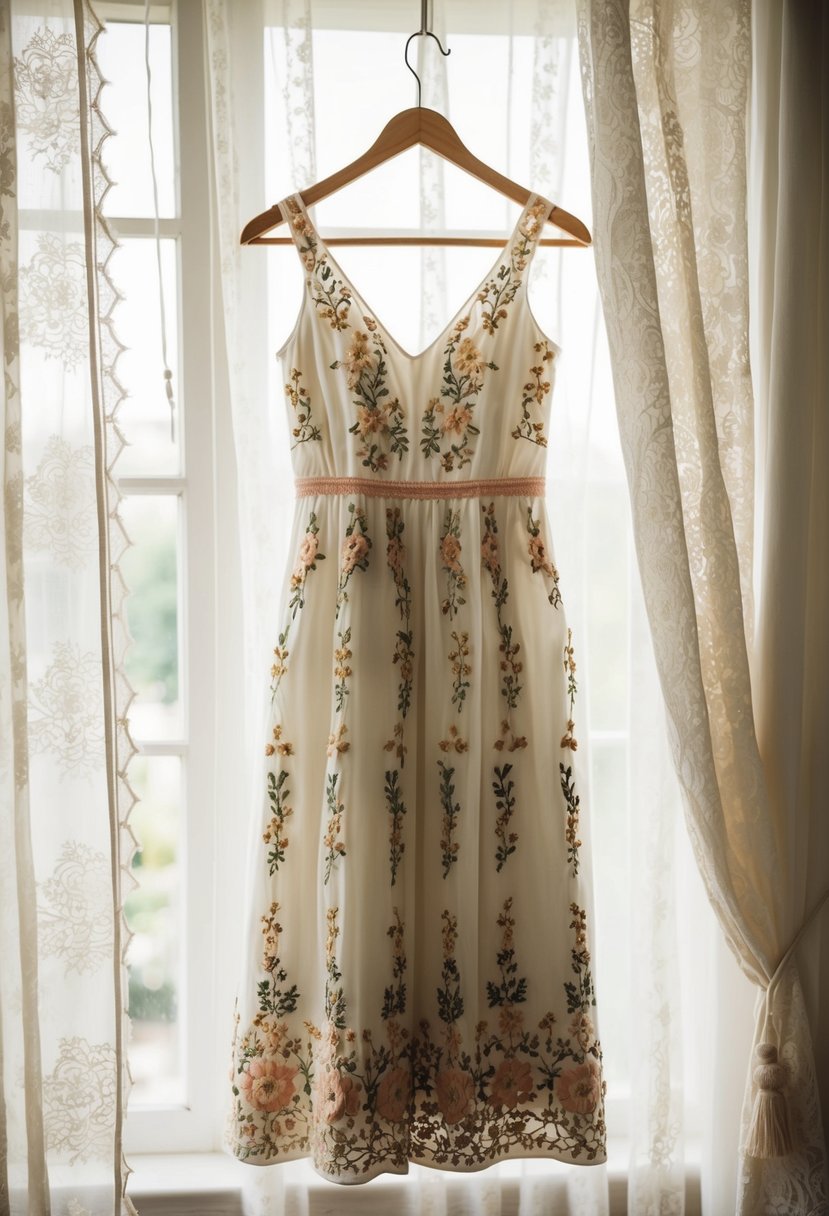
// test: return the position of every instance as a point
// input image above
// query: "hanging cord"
(168, 375)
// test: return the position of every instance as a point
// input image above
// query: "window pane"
(154, 914)
(144, 416)
(150, 568)
(127, 152)
(606, 558)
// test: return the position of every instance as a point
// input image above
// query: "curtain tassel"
(770, 1133)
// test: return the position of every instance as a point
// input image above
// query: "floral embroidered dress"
(417, 980)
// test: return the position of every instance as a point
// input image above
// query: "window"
(184, 569)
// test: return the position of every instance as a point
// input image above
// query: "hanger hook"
(416, 34)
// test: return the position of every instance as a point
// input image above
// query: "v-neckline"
(465, 306)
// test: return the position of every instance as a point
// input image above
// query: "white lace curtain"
(666, 95)
(62, 1022)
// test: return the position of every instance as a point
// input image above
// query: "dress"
(416, 979)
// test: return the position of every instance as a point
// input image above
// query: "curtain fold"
(666, 92)
(63, 839)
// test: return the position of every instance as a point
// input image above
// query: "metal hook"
(416, 34)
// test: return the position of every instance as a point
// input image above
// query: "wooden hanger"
(417, 125)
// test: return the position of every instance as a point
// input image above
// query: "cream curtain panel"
(666, 94)
(62, 847)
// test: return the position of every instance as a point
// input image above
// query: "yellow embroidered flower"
(468, 359)
(357, 358)
(337, 742)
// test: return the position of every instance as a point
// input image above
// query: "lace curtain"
(62, 847)
(666, 94)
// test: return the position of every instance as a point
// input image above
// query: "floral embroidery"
(60, 491)
(511, 665)
(580, 1089)
(539, 561)
(403, 649)
(512, 990)
(354, 552)
(53, 313)
(342, 671)
(331, 840)
(337, 742)
(461, 668)
(534, 394)
(397, 811)
(505, 805)
(451, 810)
(571, 833)
(65, 709)
(334, 994)
(568, 739)
(455, 741)
(305, 431)
(500, 290)
(46, 96)
(463, 379)
(78, 1097)
(268, 1085)
(450, 553)
(274, 833)
(74, 920)
(306, 561)
(379, 422)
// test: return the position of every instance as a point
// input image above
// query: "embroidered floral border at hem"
(374, 488)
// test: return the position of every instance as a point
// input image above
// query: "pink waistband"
(372, 487)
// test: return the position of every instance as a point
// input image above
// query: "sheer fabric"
(666, 100)
(61, 843)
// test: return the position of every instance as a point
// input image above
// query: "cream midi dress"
(416, 980)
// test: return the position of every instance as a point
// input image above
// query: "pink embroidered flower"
(450, 551)
(511, 1084)
(538, 555)
(355, 547)
(394, 554)
(455, 1092)
(579, 1088)
(468, 359)
(582, 1029)
(489, 552)
(456, 420)
(308, 550)
(267, 1084)
(339, 1094)
(393, 1095)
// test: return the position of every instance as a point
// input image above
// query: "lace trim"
(372, 488)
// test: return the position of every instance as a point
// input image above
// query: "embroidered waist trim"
(373, 487)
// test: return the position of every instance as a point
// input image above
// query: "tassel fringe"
(770, 1132)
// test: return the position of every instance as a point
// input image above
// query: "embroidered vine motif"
(463, 378)
(503, 788)
(274, 834)
(511, 665)
(451, 811)
(534, 393)
(403, 649)
(273, 998)
(397, 811)
(342, 671)
(380, 419)
(568, 738)
(305, 431)
(539, 561)
(450, 554)
(354, 552)
(499, 291)
(306, 561)
(334, 992)
(461, 668)
(331, 840)
(571, 798)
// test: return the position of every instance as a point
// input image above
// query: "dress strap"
(528, 230)
(304, 233)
